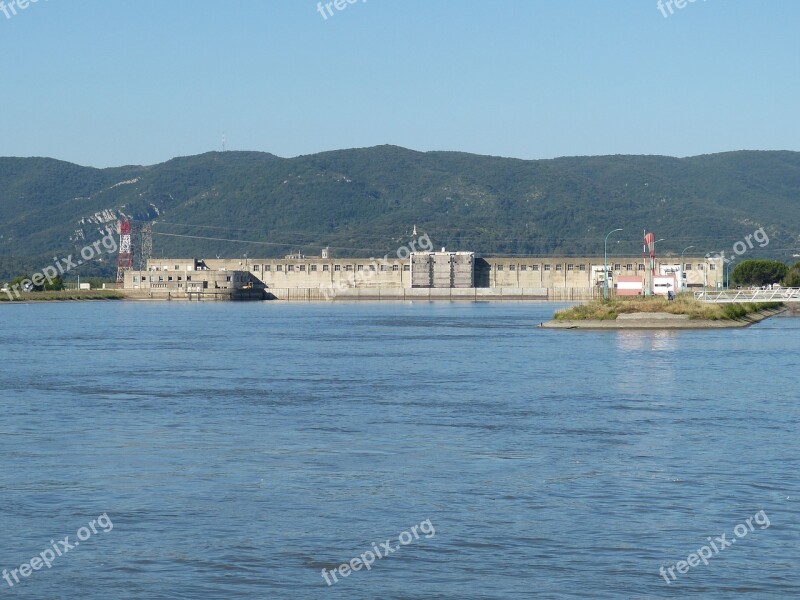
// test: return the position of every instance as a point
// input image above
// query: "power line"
(198, 237)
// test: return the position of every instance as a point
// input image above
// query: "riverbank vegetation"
(603, 310)
(62, 295)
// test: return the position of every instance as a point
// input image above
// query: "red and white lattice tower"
(125, 262)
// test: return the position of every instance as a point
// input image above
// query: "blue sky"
(107, 82)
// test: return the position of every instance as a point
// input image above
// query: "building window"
(534, 267)
(279, 267)
(169, 278)
(313, 268)
(326, 267)
(180, 278)
(160, 278)
(581, 267)
(256, 268)
(383, 267)
(290, 267)
(712, 267)
(372, 267)
(267, 267)
(570, 267)
(348, 268)
(177, 268)
(512, 267)
(617, 267)
(641, 266)
(360, 267)
(559, 267)
(188, 278)
(687, 267)
(394, 268)
(547, 267)
(135, 279)
(302, 268)
(499, 267)
(523, 267)
(629, 267)
(228, 278)
(699, 267)
(406, 267)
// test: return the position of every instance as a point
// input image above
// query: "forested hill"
(365, 202)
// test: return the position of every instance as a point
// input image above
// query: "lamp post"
(681, 270)
(605, 264)
(728, 276)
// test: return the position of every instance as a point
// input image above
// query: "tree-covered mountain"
(365, 202)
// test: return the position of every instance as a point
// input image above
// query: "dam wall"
(430, 294)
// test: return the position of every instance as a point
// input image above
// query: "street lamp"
(605, 264)
(728, 276)
(681, 270)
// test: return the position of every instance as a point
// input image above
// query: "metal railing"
(758, 295)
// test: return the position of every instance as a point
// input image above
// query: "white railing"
(759, 295)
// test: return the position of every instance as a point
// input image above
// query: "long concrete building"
(422, 273)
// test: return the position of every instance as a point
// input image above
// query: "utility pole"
(681, 270)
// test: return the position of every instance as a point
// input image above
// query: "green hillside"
(365, 202)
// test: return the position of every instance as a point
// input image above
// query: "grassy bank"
(64, 295)
(604, 310)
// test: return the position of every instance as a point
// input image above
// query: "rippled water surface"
(239, 449)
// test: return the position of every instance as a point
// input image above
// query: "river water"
(237, 450)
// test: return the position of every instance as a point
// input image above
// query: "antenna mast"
(125, 260)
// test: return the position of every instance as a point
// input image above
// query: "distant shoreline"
(62, 296)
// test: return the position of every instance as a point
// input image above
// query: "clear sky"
(113, 82)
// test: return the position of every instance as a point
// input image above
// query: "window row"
(167, 278)
(559, 267)
(571, 267)
(327, 268)
(143, 279)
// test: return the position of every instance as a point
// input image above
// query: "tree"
(792, 278)
(17, 284)
(759, 272)
(56, 284)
